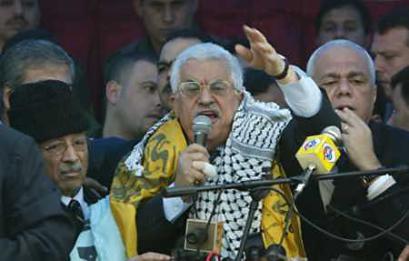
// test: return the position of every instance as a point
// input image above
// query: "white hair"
(345, 44)
(207, 51)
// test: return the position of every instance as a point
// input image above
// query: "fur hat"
(45, 110)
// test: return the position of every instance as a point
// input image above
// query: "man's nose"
(70, 154)
(344, 86)
(168, 15)
(205, 96)
(379, 63)
(340, 33)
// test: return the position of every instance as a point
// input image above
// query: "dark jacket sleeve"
(33, 226)
(153, 227)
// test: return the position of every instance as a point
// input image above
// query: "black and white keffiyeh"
(250, 148)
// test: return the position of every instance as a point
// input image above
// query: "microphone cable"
(387, 231)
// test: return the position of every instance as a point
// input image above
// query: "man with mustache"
(347, 73)
(17, 16)
(47, 111)
(207, 80)
(30, 212)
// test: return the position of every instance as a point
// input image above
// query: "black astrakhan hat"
(45, 110)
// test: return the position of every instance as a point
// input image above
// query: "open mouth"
(211, 114)
(342, 107)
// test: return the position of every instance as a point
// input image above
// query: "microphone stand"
(256, 194)
(252, 184)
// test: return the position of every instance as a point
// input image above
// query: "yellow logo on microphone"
(320, 151)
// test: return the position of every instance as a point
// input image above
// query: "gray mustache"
(74, 167)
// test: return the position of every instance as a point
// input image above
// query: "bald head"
(346, 71)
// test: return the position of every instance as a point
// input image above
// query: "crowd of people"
(74, 188)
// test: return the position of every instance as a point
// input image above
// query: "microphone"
(201, 128)
(318, 154)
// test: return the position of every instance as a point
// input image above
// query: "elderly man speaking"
(207, 80)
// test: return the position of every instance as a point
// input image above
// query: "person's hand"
(263, 56)
(357, 138)
(92, 183)
(404, 256)
(150, 256)
(188, 173)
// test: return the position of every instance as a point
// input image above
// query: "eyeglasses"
(193, 88)
(58, 148)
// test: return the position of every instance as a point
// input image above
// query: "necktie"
(75, 208)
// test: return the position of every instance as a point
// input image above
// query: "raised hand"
(263, 56)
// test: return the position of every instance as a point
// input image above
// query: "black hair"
(32, 34)
(328, 5)
(189, 33)
(398, 17)
(119, 63)
(257, 81)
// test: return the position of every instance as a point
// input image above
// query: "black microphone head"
(202, 124)
(334, 133)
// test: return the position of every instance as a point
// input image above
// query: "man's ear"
(113, 92)
(137, 7)
(6, 97)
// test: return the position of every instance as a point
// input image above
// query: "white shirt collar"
(80, 198)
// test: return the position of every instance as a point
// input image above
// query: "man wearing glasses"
(46, 111)
(242, 143)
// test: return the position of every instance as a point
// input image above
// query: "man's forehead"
(340, 59)
(342, 14)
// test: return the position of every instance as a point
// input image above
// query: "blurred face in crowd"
(344, 74)
(66, 160)
(342, 23)
(168, 54)
(206, 88)
(391, 51)
(160, 17)
(400, 117)
(17, 16)
(138, 103)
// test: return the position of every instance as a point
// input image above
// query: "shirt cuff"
(303, 97)
(174, 207)
(379, 186)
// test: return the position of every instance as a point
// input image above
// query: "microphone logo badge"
(329, 153)
(311, 144)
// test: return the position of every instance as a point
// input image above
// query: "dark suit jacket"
(392, 148)
(33, 225)
(104, 155)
